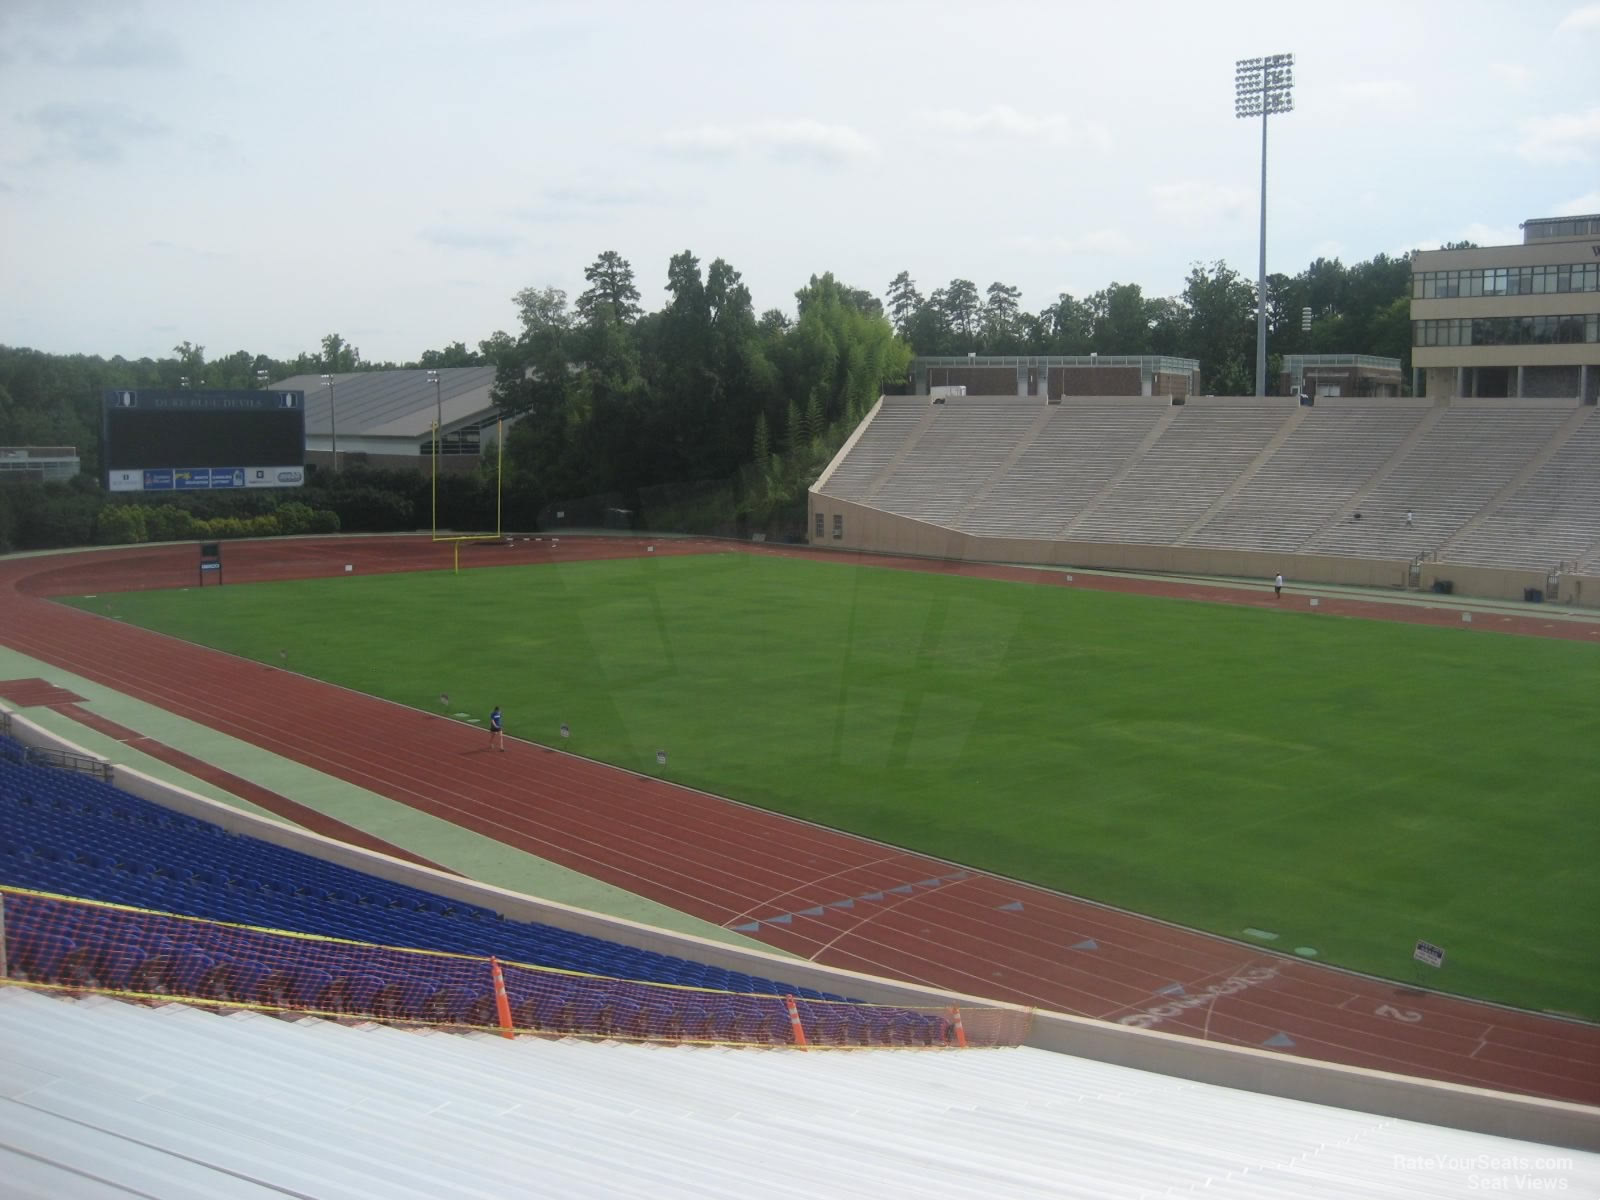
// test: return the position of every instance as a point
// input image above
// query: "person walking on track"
(497, 731)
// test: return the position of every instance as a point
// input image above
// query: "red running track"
(825, 895)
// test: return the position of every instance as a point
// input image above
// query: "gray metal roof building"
(391, 413)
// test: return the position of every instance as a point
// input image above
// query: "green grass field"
(1351, 785)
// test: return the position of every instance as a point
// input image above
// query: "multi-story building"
(1511, 321)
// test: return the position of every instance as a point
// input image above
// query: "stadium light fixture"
(333, 420)
(263, 377)
(1263, 87)
(438, 408)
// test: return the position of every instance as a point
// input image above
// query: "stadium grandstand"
(204, 1002)
(1492, 497)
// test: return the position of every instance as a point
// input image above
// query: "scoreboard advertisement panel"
(182, 440)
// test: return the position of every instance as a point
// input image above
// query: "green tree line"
(1361, 309)
(612, 400)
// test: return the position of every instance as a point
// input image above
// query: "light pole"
(333, 420)
(1262, 87)
(438, 435)
(438, 408)
(263, 377)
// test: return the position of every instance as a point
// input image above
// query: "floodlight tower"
(438, 436)
(333, 420)
(1262, 87)
(438, 408)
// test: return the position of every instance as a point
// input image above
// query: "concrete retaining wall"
(873, 530)
(1495, 583)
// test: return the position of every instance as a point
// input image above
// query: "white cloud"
(1561, 138)
(90, 132)
(1093, 241)
(1581, 206)
(1196, 203)
(783, 140)
(1002, 122)
(1378, 93)
(1512, 73)
(1581, 20)
(1476, 233)
(127, 46)
(456, 237)
(183, 250)
(575, 202)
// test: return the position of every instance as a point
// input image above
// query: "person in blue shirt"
(497, 732)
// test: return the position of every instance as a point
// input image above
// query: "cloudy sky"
(253, 176)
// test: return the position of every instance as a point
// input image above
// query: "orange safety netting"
(64, 943)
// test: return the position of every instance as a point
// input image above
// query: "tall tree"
(191, 362)
(999, 318)
(1069, 326)
(1221, 306)
(961, 306)
(1122, 320)
(455, 354)
(338, 355)
(904, 300)
(612, 295)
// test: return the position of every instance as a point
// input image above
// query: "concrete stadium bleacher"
(1552, 518)
(1454, 470)
(1074, 455)
(882, 436)
(1193, 462)
(945, 466)
(1508, 485)
(1312, 474)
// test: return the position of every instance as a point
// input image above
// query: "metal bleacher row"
(67, 833)
(1492, 484)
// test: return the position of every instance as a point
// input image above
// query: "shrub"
(121, 525)
(295, 517)
(168, 523)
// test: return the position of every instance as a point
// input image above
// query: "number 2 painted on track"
(1399, 1014)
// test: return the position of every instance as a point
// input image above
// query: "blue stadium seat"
(108, 845)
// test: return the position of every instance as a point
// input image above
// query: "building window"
(1537, 230)
(838, 526)
(819, 525)
(1502, 281)
(1506, 331)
